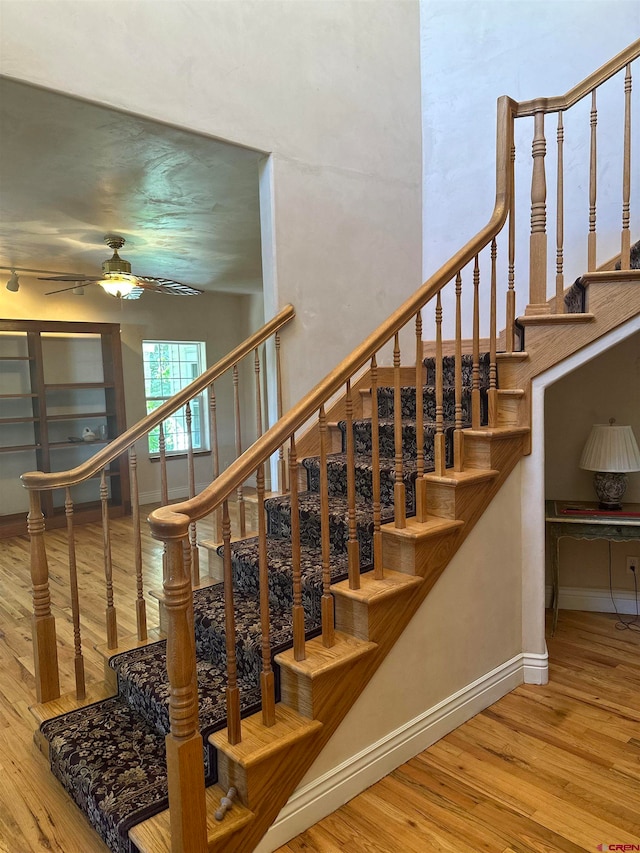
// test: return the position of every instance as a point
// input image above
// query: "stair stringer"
(286, 766)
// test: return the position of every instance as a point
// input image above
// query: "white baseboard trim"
(535, 668)
(324, 795)
(594, 600)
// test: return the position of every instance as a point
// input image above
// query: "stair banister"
(44, 631)
(163, 520)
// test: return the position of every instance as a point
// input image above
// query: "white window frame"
(180, 369)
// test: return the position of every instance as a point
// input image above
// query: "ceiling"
(71, 172)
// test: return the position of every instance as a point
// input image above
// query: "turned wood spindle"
(421, 483)
(282, 468)
(78, 659)
(225, 804)
(378, 571)
(162, 449)
(399, 498)
(110, 612)
(328, 620)
(511, 290)
(141, 607)
(439, 450)
(353, 551)
(234, 733)
(299, 652)
(238, 433)
(593, 184)
(538, 240)
(193, 534)
(492, 393)
(625, 239)
(475, 374)
(216, 515)
(560, 306)
(267, 683)
(458, 435)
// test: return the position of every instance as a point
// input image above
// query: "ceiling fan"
(117, 279)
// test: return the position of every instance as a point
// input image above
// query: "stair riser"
(419, 557)
(386, 432)
(337, 480)
(386, 403)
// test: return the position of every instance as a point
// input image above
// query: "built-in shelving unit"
(56, 380)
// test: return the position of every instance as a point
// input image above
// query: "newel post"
(185, 769)
(538, 241)
(43, 623)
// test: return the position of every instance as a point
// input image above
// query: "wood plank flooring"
(554, 768)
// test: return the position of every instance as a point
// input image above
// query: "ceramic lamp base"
(610, 488)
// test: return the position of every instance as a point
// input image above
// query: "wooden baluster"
(141, 607)
(240, 492)
(164, 483)
(282, 468)
(256, 367)
(110, 612)
(538, 241)
(267, 683)
(328, 622)
(43, 623)
(193, 534)
(511, 291)
(78, 659)
(560, 306)
(234, 732)
(475, 387)
(439, 453)
(458, 435)
(378, 571)
(421, 483)
(216, 515)
(625, 240)
(353, 550)
(593, 183)
(399, 499)
(185, 771)
(299, 652)
(492, 394)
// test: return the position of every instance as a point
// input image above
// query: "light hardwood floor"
(553, 768)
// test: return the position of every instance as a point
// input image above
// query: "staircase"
(256, 673)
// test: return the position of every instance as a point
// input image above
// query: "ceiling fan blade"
(68, 278)
(80, 283)
(167, 285)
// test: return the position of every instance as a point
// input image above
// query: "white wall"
(473, 52)
(330, 90)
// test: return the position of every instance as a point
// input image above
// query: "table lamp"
(611, 451)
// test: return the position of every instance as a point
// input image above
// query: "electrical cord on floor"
(632, 624)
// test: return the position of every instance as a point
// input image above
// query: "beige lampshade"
(611, 448)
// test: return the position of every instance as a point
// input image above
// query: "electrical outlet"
(632, 565)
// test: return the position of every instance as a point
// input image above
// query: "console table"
(582, 520)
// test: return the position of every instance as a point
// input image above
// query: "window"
(169, 366)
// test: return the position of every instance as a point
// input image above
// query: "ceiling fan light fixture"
(119, 285)
(14, 282)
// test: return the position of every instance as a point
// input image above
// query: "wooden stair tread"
(153, 835)
(260, 741)
(320, 659)
(69, 702)
(128, 643)
(497, 432)
(377, 590)
(554, 319)
(435, 525)
(463, 478)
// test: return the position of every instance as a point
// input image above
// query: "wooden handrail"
(169, 520)
(36, 480)
(563, 102)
